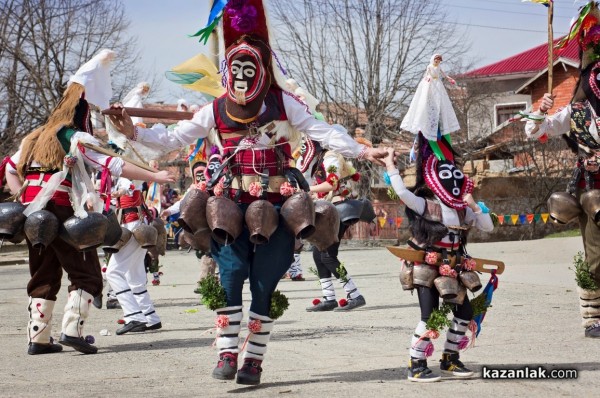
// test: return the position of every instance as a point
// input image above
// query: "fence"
(388, 224)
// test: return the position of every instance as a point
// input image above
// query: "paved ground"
(534, 321)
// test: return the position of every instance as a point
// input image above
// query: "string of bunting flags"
(503, 219)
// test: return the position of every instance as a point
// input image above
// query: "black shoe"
(36, 348)
(78, 343)
(112, 304)
(593, 331)
(133, 326)
(327, 305)
(352, 304)
(250, 372)
(226, 367)
(419, 372)
(97, 301)
(156, 326)
(451, 365)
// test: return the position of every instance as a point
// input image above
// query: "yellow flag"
(514, 218)
(381, 221)
(545, 217)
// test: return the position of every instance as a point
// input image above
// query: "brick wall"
(563, 82)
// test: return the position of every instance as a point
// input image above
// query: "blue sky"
(496, 29)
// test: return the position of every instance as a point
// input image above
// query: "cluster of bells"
(204, 217)
(83, 234)
(564, 207)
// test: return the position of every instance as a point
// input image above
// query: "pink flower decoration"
(201, 185)
(453, 274)
(431, 258)
(222, 321)
(286, 189)
(445, 270)
(463, 343)
(469, 264)
(255, 326)
(255, 189)
(218, 189)
(429, 349)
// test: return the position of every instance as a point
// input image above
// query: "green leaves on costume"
(213, 294)
(279, 303)
(583, 276)
(438, 320)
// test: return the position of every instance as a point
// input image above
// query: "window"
(506, 111)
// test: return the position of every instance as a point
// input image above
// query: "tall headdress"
(586, 30)
(94, 75)
(248, 57)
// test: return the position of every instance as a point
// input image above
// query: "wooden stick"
(153, 113)
(550, 45)
(108, 152)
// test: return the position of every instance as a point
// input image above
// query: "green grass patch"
(565, 234)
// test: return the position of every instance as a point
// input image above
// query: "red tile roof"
(531, 61)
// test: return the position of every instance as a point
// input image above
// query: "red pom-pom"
(103, 269)
(121, 322)
(222, 321)
(343, 302)
(355, 176)
(255, 325)
(316, 301)
(543, 138)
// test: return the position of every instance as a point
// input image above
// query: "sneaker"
(451, 365)
(226, 367)
(326, 305)
(593, 331)
(133, 326)
(112, 304)
(353, 303)
(297, 278)
(419, 372)
(250, 372)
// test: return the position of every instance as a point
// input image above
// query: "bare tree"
(363, 58)
(43, 42)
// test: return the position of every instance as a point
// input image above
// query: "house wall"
(563, 84)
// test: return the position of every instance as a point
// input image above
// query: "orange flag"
(529, 218)
(501, 218)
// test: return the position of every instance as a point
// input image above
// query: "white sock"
(327, 288)
(417, 348)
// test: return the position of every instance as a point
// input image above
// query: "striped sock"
(327, 288)
(455, 334)
(228, 337)
(350, 288)
(417, 348)
(589, 306)
(260, 328)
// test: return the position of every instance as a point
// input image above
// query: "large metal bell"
(350, 211)
(41, 228)
(262, 220)
(192, 216)
(563, 207)
(327, 225)
(199, 241)
(84, 234)
(225, 219)
(113, 229)
(145, 235)
(298, 214)
(12, 219)
(125, 236)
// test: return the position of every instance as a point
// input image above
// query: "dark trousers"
(327, 261)
(45, 266)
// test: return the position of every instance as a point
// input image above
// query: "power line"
(504, 28)
(503, 11)
(517, 2)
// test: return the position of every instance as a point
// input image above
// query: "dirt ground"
(534, 321)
